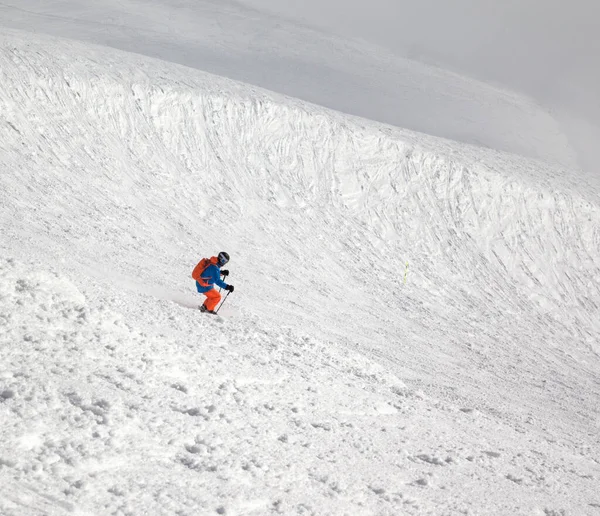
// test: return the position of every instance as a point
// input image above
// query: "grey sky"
(546, 49)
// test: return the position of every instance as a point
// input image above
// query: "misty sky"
(546, 49)
(549, 48)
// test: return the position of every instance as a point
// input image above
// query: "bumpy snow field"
(331, 385)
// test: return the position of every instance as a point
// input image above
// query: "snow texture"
(330, 385)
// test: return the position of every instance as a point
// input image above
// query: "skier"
(208, 274)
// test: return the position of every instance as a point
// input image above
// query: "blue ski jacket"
(212, 276)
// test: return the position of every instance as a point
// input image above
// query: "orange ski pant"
(212, 299)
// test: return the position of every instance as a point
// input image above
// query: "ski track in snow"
(329, 386)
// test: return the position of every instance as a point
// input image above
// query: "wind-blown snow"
(330, 386)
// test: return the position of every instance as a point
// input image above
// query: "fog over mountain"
(537, 60)
(548, 50)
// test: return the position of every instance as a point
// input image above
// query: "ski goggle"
(223, 259)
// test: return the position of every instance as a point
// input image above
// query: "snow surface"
(330, 385)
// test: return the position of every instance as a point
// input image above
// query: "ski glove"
(225, 273)
(229, 287)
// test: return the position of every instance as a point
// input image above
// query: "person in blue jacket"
(208, 274)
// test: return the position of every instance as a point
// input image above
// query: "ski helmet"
(223, 258)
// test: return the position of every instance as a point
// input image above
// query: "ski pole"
(217, 310)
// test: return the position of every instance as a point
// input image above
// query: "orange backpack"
(199, 269)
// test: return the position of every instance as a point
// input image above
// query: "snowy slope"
(353, 76)
(331, 386)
